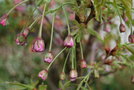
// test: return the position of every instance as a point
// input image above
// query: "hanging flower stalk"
(49, 56)
(38, 44)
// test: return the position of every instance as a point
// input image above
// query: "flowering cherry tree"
(95, 38)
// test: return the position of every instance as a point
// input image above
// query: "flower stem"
(34, 22)
(85, 79)
(82, 56)
(40, 31)
(16, 6)
(63, 70)
(52, 31)
(73, 66)
(55, 58)
(66, 20)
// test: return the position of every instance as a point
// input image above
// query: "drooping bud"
(83, 64)
(38, 45)
(21, 39)
(3, 20)
(48, 57)
(69, 42)
(62, 76)
(122, 28)
(131, 38)
(26, 32)
(43, 74)
(73, 75)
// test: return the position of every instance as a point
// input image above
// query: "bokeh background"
(20, 64)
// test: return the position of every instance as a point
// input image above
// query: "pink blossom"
(3, 20)
(69, 42)
(83, 64)
(73, 75)
(26, 32)
(38, 45)
(48, 57)
(21, 39)
(43, 74)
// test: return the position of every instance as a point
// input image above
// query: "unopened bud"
(73, 75)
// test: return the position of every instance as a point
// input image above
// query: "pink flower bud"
(21, 39)
(43, 74)
(73, 75)
(48, 57)
(69, 42)
(62, 76)
(83, 64)
(26, 32)
(131, 38)
(3, 20)
(38, 45)
(122, 28)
